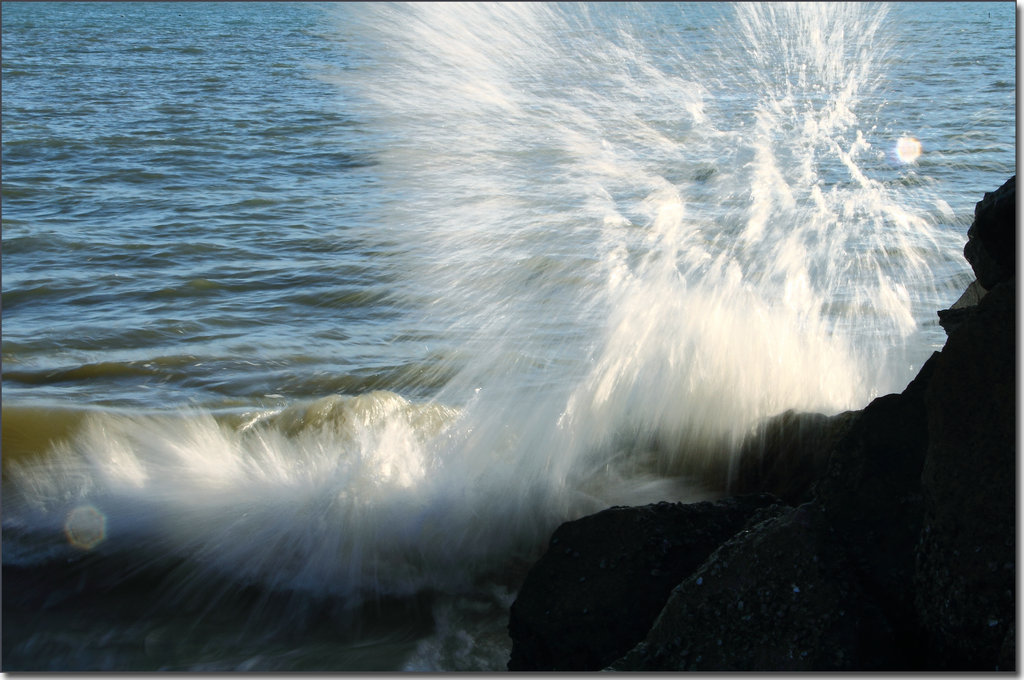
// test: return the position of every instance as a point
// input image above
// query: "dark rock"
(851, 550)
(991, 249)
(966, 555)
(604, 578)
(992, 238)
(1008, 653)
(776, 597)
(786, 454)
(953, 317)
(871, 495)
(962, 308)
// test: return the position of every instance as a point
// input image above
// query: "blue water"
(181, 190)
(370, 297)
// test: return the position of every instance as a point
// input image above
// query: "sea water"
(318, 318)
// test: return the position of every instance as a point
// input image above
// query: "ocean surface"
(319, 318)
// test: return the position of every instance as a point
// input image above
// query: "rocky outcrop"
(992, 238)
(962, 308)
(779, 596)
(965, 570)
(965, 556)
(786, 454)
(893, 546)
(871, 495)
(991, 249)
(825, 586)
(604, 578)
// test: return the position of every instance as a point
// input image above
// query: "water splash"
(610, 227)
(624, 256)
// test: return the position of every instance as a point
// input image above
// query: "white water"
(637, 257)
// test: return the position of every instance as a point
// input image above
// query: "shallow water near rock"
(320, 319)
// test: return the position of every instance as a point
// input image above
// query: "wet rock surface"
(786, 454)
(966, 563)
(779, 596)
(888, 542)
(605, 577)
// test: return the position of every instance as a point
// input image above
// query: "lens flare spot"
(85, 527)
(908, 149)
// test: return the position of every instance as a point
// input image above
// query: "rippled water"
(185, 208)
(321, 317)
